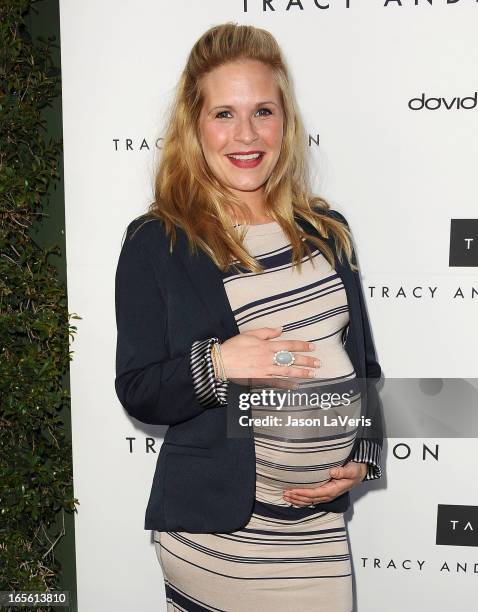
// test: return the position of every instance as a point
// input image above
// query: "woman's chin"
(246, 186)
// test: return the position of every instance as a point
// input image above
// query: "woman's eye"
(222, 115)
(264, 112)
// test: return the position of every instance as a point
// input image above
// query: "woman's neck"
(255, 203)
(256, 217)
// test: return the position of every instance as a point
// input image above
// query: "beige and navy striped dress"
(282, 560)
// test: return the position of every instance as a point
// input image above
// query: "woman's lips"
(246, 160)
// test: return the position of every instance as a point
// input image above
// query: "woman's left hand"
(342, 479)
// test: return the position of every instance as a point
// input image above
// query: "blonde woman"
(237, 280)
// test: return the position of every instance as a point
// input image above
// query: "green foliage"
(35, 452)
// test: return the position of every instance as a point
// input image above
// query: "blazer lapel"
(206, 279)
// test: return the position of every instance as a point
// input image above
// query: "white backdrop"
(399, 175)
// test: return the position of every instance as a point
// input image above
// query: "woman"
(236, 281)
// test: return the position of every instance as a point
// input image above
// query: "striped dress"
(285, 558)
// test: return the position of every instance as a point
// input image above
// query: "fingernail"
(311, 346)
(317, 362)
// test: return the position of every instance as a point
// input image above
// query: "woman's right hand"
(249, 355)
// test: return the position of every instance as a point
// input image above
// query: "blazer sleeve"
(209, 391)
(152, 386)
(369, 451)
(374, 434)
(370, 446)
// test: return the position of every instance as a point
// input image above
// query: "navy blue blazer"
(204, 480)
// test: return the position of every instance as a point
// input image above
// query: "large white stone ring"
(283, 358)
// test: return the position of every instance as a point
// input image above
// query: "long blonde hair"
(189, 196)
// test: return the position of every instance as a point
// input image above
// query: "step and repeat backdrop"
(388, 94)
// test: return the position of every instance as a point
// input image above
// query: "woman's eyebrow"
(230, 106)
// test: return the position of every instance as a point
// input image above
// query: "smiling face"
(241, 127)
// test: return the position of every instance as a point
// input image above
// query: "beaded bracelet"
(219, 370)
(213, 359)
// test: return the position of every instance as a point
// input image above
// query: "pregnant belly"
(296, 446)
(286, 464)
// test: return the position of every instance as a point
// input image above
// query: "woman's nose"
(245, 131)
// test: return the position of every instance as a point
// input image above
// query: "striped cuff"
(209, 391)
(369, 452)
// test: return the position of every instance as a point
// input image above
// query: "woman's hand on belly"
(249, 355)
(342, 480)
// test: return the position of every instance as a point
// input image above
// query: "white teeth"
(246, 157)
